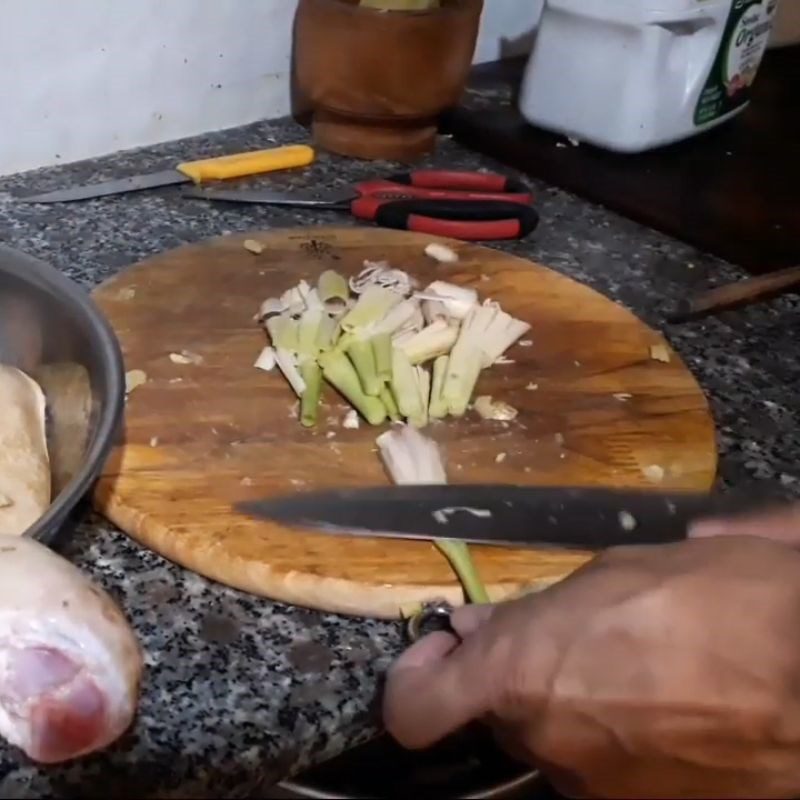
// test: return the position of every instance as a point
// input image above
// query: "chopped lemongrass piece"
(327, 332)
(308, 331)
(502, 331)
(363, 358)
(441, 253)
(313, 302)
(458, 300)
(266, 359)
(339, 372)
(400, 338)
(379, 273)
(424, 383)
(371, 308)
(407, 390)
(309, 400)
(488, 408)
(287, 361)
(387, 398)
(437, 407)
(435, 340)
(466, 360)
(283, 331)
(404, 314)
(332, 287)
(382, 353)
(269, 307)
(411, 458)
(434, 310)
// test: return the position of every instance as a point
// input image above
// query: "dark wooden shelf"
(733, 191)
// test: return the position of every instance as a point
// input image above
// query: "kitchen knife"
(505, 516)
(237, 165)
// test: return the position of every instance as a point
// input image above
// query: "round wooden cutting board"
(596, 408)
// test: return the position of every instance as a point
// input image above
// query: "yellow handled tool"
(240, 165)
(237, 165)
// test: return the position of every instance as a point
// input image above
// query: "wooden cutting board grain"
(595, 409)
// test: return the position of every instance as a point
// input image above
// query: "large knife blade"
(505, 516)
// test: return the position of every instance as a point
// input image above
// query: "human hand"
(780, 525)
(658, 671)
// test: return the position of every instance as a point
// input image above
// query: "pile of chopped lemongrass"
(394, 351)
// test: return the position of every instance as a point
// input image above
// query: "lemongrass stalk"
(361, 354)
(283, 331)
(387, 398)
(501, 332)
(424, 389)
(457, 553)
(382, 353)
(266, 359)
(341, 374)
(437, 407)
(332, 286)
(326, 333)
(466, 359)
(307, 332)
(372, 306)
(287, 361)
(309, 400)
(435, 340)
(402, 315)
(411, 458)
(405, 386)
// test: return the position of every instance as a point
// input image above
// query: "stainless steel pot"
(51, 329)
(468, 765)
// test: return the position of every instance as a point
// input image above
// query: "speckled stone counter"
(239, 691)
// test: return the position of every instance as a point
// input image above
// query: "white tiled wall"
(81, 78)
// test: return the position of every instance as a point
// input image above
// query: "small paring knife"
(237, 165)
(506, 516)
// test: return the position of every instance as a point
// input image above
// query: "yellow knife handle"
(239, 165)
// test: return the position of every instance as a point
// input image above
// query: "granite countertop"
(240, 692)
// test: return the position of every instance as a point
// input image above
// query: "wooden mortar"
(378, 80)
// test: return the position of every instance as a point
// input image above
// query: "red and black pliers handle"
(475, 206)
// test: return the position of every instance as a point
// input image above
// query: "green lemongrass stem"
(283, 331)
(332, 286)
(308, 331)
(405, 386)
(435, 340)
(382, 352)
(363, 358)
(287, 362)
(500, 334)
(309, 400)
(466, 360)
(460, 558)
(410, 457)
(387, 398)
(326, 333)
(424, 390)
(372, 306)
(341, 374)
(437, 407)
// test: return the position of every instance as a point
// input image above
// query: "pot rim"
(496, 792)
